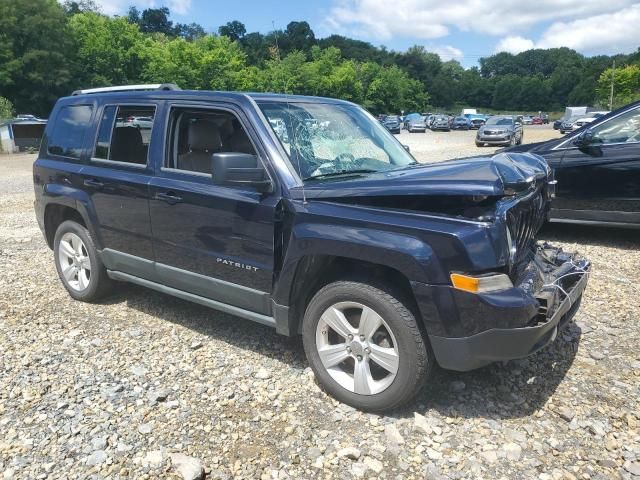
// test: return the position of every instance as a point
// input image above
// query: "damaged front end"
(550, 285)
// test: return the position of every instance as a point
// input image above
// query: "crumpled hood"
(502, 174)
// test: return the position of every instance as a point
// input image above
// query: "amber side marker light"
(481, 284)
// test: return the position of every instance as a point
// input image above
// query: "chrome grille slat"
(524, 220)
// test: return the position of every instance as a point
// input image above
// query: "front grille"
(524, 220)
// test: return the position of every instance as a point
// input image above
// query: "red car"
(537, 121)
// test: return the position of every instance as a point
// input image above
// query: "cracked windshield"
(331, 140)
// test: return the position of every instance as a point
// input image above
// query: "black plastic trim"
(223, 307)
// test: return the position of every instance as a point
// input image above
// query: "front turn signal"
(481, 284)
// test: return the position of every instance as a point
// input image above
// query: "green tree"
(35, 66)
(626, 85)
(80, 6)
(156, 20)
(235, 30)
(107, 48)
(190, 31)
(6, 109)
(209, 62)
(256, 47)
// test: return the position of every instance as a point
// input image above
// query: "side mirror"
(406, 147)
(585, 139)
(240, 169)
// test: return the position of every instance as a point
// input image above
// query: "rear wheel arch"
(54, 215)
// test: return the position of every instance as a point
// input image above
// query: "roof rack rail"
(128, 88)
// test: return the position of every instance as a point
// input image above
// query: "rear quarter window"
(71, 125)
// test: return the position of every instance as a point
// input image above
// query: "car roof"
(210, 95)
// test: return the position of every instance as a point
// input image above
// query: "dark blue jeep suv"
(307, 215)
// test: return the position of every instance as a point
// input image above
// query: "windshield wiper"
(340, 172)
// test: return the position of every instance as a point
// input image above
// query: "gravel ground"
(147, 386)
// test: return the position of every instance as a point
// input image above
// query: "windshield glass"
(499, 121)
(324, 139)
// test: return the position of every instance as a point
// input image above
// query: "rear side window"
(68, 132)
(124, 134)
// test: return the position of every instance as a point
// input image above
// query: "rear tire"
(78, 264)
(386, 360)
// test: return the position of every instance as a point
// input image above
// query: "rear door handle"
(93, 183)
(169, 197)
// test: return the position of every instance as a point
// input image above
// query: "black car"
(392, 123)
(305, 215)
(597, 170)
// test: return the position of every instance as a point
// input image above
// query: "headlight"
(482, 283)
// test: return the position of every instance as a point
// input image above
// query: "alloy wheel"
(357, 348)
(74, 260)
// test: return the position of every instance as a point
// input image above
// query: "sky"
(464, 30)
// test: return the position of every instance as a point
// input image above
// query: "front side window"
(624, 128)
(196, 134)
(69, 130)
(325, 139)
(124, 134)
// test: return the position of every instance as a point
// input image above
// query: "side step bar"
(223, 307)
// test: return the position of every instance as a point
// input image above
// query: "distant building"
(19, 135)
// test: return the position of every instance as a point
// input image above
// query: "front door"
(211, 240)
(601, 182)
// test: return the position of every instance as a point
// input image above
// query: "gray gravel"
(143, 385)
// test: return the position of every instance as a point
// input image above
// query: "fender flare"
(78, 200)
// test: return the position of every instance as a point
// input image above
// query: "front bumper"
(494, 139)
(547, 308)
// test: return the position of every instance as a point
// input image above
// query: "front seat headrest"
(203, 136)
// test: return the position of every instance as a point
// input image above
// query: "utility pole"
(613, 76)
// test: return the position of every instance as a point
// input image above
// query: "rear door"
(117, 178)
(601, 182)
(211, 240)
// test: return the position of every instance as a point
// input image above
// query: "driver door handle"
(170, 197)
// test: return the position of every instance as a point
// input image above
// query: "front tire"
(78, 264)
(364, 346)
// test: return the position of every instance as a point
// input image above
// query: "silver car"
(417, 125)
(505, 130)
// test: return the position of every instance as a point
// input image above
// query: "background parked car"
(597, 170)
(503, 130)
(537, 121)
(476, 120)
(527, 120)
(460, 123)
(408, 118)
(417, 125)
(557, 124)
(392, 123)
(588, 119)
(440, 122)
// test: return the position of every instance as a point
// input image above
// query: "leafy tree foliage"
(47, 49)
(234, 30)
(6, 109)
(108, 49)
(34, 54)
(626, 85)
